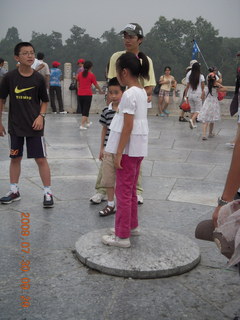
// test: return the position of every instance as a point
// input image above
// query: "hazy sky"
(97, 16)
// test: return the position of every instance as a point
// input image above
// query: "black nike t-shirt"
(26, 95)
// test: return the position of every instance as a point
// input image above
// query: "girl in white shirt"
(128, 140)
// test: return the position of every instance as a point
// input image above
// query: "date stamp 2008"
(25, 263)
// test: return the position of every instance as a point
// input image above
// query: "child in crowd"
(115, 91)
(128, 141)
(27, 109)
(210, 111)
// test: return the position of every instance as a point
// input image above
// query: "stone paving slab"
(181, 170)
(194, 192)
(153, 254)
(63, 288)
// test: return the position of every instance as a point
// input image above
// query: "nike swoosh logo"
(22, 90)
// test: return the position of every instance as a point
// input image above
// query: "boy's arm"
(124, 138)
(103, 135)
(39, 121)
(2, 129)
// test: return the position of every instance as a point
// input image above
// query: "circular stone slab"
(153, 254)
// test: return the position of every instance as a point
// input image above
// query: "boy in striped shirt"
(106, 176)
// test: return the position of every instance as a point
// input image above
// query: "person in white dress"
(195, 92)
(210, 111)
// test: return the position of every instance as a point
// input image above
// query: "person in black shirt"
(27, 109)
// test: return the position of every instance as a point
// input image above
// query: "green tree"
(7, 46)
(168, 43)
(51, 45)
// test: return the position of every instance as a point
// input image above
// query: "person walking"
(85, 80)
(3, 71)
(45, 71)
(55, 88)
(128, 141)
(80, 68)
(195, 92)
(167, 82)
(27, 109)
(210, 111)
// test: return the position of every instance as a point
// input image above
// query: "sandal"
(107, 211)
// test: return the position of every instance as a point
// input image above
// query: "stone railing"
(98, 101)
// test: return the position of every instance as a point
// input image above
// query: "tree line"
(168, 43)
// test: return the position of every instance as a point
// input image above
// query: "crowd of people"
(124, 135)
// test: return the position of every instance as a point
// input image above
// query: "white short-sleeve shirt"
(134, 101)
(199, 88)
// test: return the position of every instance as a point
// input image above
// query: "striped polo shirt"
(106, 119)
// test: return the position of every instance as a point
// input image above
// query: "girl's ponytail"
(138, 65)
(144, 71)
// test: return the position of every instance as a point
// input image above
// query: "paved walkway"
(182, 178)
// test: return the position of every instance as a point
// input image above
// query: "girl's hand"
(117, 161)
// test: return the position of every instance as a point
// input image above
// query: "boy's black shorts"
(36, 147)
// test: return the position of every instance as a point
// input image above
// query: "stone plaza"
(182, 179)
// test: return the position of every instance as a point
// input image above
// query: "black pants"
(58, 91)
(85, 104)
(79, 109)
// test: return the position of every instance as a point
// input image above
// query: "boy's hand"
(38, 123)
(117, 161)
(100, 157)
(2, 130)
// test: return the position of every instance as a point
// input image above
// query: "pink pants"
(127, 207)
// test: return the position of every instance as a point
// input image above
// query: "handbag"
(185, 106)
(73, 86)
(221, 95)
(157, 89)
(234, 105)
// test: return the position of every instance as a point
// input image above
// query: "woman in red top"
(85, 79)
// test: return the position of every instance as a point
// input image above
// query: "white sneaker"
(88, 124)
(140, 199)
(63, 112)
(230, 144)
(134, 232)
(116, 241)
(54, 112)
(82, 128)
(191, 125)
(98, 198)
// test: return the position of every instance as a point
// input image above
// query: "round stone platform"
(153, 254)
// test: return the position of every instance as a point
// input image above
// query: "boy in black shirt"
(27, 109)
